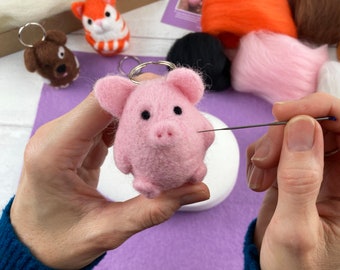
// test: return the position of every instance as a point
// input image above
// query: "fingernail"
(194, 197)
(262, 150)
(280, 102)
(256, 178)
(300, 134)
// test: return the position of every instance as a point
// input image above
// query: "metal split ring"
(137, 70)
(122, 61)
(22, 28)
(331, 153)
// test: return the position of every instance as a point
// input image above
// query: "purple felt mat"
(208, 240)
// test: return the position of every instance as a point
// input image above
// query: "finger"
(155, 211)
(140, 213)
(96, 155)
(265, 215)
(315, 105)
(73, 135)
(266, 151)
(300, 172)
(262, 159)
(146, 76)
(261, 179)
(88, 118)
(331, 142)
(110, 132)
(318, 104)
(162, 208)
(84, 122)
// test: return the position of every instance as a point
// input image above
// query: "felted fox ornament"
(105, 29)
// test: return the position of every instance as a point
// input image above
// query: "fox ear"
(110, 2)
(78, 9)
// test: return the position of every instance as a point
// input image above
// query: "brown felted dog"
(52, 60)
(338, 51)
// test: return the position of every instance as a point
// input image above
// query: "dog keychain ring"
(34, 24)
(49, 56)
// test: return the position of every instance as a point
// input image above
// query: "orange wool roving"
(229, 20)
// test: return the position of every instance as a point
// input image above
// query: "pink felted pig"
(157, 138)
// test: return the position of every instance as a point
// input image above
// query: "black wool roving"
(203, 53)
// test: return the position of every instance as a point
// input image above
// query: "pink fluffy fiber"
(276, 67)
(157, 139)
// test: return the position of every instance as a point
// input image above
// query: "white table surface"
(20, 90)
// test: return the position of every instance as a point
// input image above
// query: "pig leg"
(146, 188)
(122, 162)
(199, 174)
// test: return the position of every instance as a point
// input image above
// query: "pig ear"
(188, 82)
(112, 93)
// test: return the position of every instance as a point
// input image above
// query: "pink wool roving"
(157, 139)
(276, 67)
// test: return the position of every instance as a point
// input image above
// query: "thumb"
(140, 213)
(156, 211)
(300, 170)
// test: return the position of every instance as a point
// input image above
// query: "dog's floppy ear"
(30, 60)
(56, 36)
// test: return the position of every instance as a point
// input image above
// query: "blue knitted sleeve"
(14, 254)
(250, 252)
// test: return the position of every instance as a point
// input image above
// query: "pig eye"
(177, 110)
(145, 115)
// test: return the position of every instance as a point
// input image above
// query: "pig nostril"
(164, 133)
(160, 135)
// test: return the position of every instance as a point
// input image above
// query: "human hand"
(298, 226)
(57, 211)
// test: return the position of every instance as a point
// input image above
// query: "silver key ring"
(22, 28)
(123, 60)
(138, 69)
(331, 153)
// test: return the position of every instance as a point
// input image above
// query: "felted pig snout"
(163, 134)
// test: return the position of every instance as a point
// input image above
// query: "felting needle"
(276, 123)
